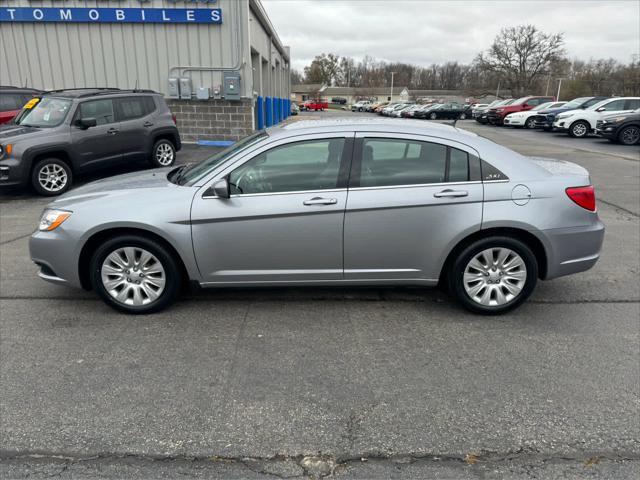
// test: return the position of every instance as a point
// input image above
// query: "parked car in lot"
(483, 116)
(450, 111)
(372, 107)
(580, 123)
(315, 105)
(411, 111)
(483, 107)
(621, 128)
(339, 100)
(376, 202)
(360, 105)
(12, 99)
(398, 111)
(66, 132)
(496, 114)
(544, 119)
(295, 109)
(526, 118)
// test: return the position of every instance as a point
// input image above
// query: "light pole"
(391, 93)
(559, 87)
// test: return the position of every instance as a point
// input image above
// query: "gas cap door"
(520, 194)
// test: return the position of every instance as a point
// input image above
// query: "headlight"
(500, 110)
(52, 219)
(564, 115)
(615, 119)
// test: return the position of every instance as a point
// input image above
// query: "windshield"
(542, 106)
(575, 103)
(519, 101)
(48, 112)
(196, 171)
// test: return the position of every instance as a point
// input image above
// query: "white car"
(360, 106)
(526, 118)
(579, 123)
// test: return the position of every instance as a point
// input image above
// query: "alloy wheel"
(52, 177)
(579, 129)
(495, 277)
(630, 135)
(164, 154)
(133, 276)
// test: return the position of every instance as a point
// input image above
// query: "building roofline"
(259, 11)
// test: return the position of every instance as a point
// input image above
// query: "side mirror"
(221, 188)
(601, 109)
(88, 122)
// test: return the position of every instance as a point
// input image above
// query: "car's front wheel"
(463, 116)
(579, 129)
(629, 135)
(163, 153)
(493, 275)
(433, 116)
(135, 274)
(51, 176)
(530, 123)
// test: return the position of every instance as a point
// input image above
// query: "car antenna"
(135, 89)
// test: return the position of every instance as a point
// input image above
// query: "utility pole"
(498, 90)
(391, 93)
(546, 90)
(559, 87)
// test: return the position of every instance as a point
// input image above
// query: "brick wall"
(212, 119)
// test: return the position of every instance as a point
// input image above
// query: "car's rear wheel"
(629, 135)
(163, 153)
(134, 274)
(433, 116)
(493, 275)
(51, 176)
(530, 123)
(463, 116)
(579, 129)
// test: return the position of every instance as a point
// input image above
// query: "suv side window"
(130, 108)
(101, 110)
(632, 104)
(614, 106)
(149, 104)
(300, 166)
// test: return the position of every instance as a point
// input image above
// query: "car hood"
(626, 116)
(18, 132)
(557, 110)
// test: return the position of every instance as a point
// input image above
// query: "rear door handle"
(321, 201)
(112, 131)
(148, 124)
(451, 193)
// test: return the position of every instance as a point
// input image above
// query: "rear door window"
(101, 110)
(632, 104)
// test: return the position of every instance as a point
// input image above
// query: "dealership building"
(219, 63)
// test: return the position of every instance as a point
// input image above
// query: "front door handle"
(112, 131)
(451, 193)
(148, 124)
(321, 201)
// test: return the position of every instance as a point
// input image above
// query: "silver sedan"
(329, 203)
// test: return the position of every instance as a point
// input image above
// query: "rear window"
(10, 101)
(130, 108)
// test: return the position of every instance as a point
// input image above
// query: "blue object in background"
(260, 113)
(268, 106)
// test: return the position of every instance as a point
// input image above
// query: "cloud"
(424, 32)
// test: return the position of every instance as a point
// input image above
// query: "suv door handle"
(112, 131)
(451, 193)
(321, 201)
(148, 124)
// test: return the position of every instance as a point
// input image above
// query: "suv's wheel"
(629, 135)
(530, 123)
(433, 116)
(51, 176)
(493, 275)
(134, 274)
(163, 153)
(579, 129)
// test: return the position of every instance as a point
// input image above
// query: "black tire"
(579, 129)
(463, 116)
(629, 135)
(433, 116)
(163, 146)
(52, 187)
(166, 259)
(529, 123)
(457, 268)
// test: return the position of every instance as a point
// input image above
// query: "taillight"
(583, 196)
(174, 118)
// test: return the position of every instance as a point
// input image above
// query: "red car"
(12, 99)
(496, 115)
(315, 105)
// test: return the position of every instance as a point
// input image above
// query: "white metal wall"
(72, 55)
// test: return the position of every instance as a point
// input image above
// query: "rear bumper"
(573, 250)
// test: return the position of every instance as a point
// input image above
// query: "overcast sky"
(424, 31)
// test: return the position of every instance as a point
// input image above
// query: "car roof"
(10, 89)
(93, 92)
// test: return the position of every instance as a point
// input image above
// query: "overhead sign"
(111, 15)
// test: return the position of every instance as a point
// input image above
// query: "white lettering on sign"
(38, 14)
(120, 15)
(11, 11)
(190, 15)
(65, 14)
(143, 17)
(93, 14)
(215, 15)
(164, 16)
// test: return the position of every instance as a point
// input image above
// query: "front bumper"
(573, 250)
(607, 130)
(13, 173)
(54, 252)
(513, 122)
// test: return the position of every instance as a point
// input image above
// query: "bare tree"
(520, 55)
(324, 69)
(296, 77)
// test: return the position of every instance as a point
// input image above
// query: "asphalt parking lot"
(353, 383)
